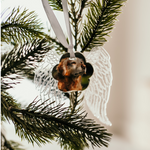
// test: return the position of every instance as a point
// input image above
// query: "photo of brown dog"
(69, 73)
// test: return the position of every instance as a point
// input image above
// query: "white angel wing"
(97, 93)
(45, 82)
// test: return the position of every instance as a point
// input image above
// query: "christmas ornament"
(73, 72)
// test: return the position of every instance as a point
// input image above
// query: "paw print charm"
(72, 74)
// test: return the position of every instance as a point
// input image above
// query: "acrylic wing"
(45, 82)
(98, 91)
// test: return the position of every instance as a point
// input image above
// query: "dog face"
(72, 75)
(75, 67)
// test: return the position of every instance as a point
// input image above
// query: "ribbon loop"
(57, 28)
(70, 50)
(66, 16)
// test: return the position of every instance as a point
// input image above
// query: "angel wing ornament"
(97, 93)
(96, 85)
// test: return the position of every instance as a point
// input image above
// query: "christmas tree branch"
(9, 81)
(74, 22)
(9, 145)
(57, 45)
(56, 4)
(84, 3)
(20, 26)
(5, 143)
(23, 59)
(74, 101)
(75, 16)
(64, 126)
(39, 123)
(101, 17)
(3, 119)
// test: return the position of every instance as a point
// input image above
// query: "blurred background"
(129, 105)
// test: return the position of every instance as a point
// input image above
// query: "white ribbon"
(56, 26)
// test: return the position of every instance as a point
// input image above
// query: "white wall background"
(130, 55)
(128, 107)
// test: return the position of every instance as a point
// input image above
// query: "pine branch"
(16, 145)
(9, 145)
(74, 101)
(5, 143)
(39, 123)
(74, 22)
(76, 9)
(83, 4)
(101, 17)
(20, 26)
(9, 81)
(57, 45)
(3, 56)
(3, 119)
(6, 103)
(23, 59)
(56, 4)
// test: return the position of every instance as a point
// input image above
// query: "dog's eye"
(72, 63)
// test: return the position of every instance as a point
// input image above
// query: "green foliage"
(101, 17)
(75, 13)
(20, 26)
(6, 103)
(56, 4)
(23, 59)
(56, 44)
(16, 145)
(40, 122)
(3, 119)
(9, 145)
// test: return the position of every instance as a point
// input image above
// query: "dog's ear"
(55, 73)
(79, 55)
(66, 55)
(89, 70)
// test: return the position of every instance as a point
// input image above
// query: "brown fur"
(70, 84)
(67, 81)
